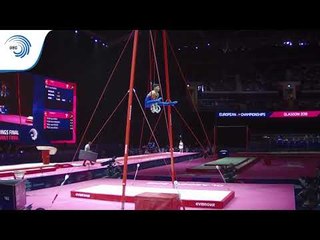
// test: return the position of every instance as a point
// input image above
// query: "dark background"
(76, 57)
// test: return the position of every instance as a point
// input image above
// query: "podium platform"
(157, 201)
(194, 198)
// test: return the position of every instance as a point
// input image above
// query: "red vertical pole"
(19, 100)
(127, 138)
(166, 68)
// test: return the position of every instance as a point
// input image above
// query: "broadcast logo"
(19, 45)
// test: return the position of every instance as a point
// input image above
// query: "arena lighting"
(76, 31)
(96, 40)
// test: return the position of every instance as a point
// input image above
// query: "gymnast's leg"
(167, 103)
(149, 102)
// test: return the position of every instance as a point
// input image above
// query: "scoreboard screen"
(59, 111)
(37, 110)
(59, 95)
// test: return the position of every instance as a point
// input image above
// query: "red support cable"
(184, 121)
(215, 140)
(105, 123)
(151, 67)
(193, 104)
(100, 98)
(19, 97)
(158, 75)
(166, 68)
(141, 135)
(128, 125)
(144, 114)
(149, 85)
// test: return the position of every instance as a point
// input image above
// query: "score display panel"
(59, 111)
(39, 110)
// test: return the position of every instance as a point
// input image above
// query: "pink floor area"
(189, 197)
(77, 167)
(6, 172)
(180, 168)
(281, 168)
(247, 196)
(149, 157)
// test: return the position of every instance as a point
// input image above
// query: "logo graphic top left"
(20, 50)
(19, 45)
